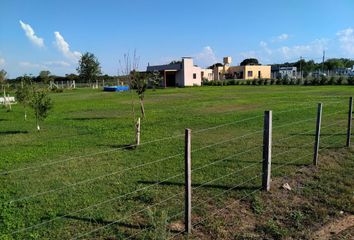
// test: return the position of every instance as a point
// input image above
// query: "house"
(182, 74)
(283, 72)
(240, 72)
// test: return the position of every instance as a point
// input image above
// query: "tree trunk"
(37, 121)
(142, 108)
(25, 114)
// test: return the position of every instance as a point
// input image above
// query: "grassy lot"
(76, 178)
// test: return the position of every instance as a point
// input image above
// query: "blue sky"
(40, 34)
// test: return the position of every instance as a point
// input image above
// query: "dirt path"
(334, 228)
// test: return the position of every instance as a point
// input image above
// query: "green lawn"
(76, 177)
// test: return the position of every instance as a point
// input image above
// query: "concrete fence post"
(267, 150)
(350, 119)
(188, 183)
(318, 133)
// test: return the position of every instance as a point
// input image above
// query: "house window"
(249, 73)
(194, 76)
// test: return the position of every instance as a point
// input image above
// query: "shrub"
(332, 80)
(272, 81)
(323, 80)
(248, 82)
(285, 81)
(315, 81)
(260, 81)
(351, 80)
(279, 82)
(339, 80)
(254, 82)
(298, 81)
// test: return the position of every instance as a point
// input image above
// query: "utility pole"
(323, 58)
(301, 67)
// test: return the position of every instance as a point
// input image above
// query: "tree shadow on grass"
(100, 221)
(200, 185)
(119, 146)
(12, 132)
(87, 118)
(3, 120)
(313, 135)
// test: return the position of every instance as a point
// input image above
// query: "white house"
(182, 74)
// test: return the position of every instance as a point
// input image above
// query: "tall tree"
(89, 67)
(249, 61)
(44, 76)
(3, 77)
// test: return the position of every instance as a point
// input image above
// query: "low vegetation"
(78, 178)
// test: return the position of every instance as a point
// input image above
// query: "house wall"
(264, 71)
(188, 71)
(208, 74)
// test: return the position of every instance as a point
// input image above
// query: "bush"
(279, 82)
(306, 82)
(57, 90)
(272, 81)
(323, 80)
(339, 80)
(285, 81)
(332, 81)
(248, 82)
(298, 81)
(254, 82)
(315, 81)
(351, 80)
(260, 81)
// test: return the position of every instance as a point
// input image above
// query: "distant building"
(283, 72)
(344, 71)
(182, 74)
(240, 72)
(250, 72)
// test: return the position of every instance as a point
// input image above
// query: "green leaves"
(89, 67)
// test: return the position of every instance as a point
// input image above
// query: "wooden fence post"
(318, 133)
(137, 137)
(267, 150)
(350, 117)
(188, 183)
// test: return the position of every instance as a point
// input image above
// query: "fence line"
(208, 182)
(175, 176)
(134, 145)
(258, 189)
(121, 171)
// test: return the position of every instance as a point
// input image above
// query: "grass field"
(76, 178)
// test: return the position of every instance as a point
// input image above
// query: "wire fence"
(221, 170)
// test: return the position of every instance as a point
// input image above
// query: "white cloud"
(31, 65)
(346, 40)
(31, 34)
(64, 48)
(206, 57)
(2, 61)
(282, 37)
(57, 63)
(269, 54)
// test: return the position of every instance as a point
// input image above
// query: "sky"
(51, 35)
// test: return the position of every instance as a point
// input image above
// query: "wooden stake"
(318, 133)
(350, 117)
(138, 132)
(267, 150)
(188, 183)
